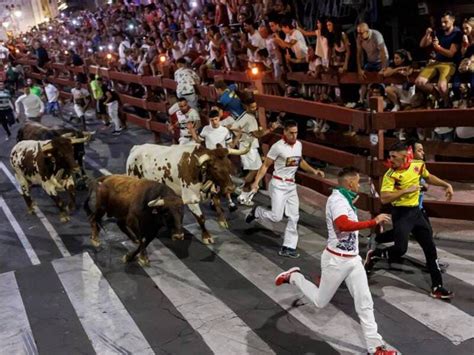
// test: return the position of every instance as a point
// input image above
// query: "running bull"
(37, 131)
(49, 163)
(141, 207)
(190, 170)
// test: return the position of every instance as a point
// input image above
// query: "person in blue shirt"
(228, 98)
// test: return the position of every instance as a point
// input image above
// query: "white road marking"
(16, 336)
(441, 317)
(97, 166)
(460, 268)
(222, 330)
(19, 232)
(331, 324)
(47, 225)
(107, 323)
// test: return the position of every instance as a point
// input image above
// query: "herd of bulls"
(160, 180)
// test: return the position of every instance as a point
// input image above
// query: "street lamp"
(254, 71)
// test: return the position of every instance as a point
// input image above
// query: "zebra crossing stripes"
(104, 318)
(15, 331)
(222, 330)
(446, 319)
(19, 232)
(46, 223)
(459, 267)
(325, 322)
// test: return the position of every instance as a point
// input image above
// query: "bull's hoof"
(208, 241)
(64, 218)
(31, 210)
(177, 237)
(126, 258)
(143, 261)
(224, 224)
(95, 242)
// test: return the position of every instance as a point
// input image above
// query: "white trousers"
(335, 270)
(112, 111)
(79, 111)
(284, 199)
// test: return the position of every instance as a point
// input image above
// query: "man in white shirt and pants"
(286, 155)
(340, 261)
(186, 115)
(32, 104)
(186, 79)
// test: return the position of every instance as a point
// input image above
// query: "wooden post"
(262, 119)
(376, 146)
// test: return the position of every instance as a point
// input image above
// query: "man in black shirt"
(41, 56)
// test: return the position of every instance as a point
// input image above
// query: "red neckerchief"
(404, 166)
(284, 139)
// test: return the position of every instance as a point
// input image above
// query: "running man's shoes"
(284, 277)
(441, 293)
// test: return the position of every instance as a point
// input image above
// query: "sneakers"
(284, 277)
(251, 215)
(117, 133)
(289, 253)
(441, 293)
(382, 350)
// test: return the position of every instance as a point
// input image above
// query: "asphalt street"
(60, 295)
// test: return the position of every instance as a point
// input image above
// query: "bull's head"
(60, 151)
(218, 167)
(170, 208)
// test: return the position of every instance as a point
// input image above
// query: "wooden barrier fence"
(334, 149)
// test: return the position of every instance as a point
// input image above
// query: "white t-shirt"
(247, 123)
(255, 40)
(52, 93)
(185, 79)
(342, 242)
(214, 136)
(299, 48)
(183, 118)
(287, 158)
(78, 94)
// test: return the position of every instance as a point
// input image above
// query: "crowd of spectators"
(234, 35)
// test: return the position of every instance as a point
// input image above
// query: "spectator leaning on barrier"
(32, 104)
(41, 55)
(295, 41)
(186, 80)
(253, 41)
(446, 45)
(370, 42)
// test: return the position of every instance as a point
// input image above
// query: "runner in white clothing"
(186, 116)
(341, 261)
(286, 154)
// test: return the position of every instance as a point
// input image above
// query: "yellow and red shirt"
(401, 179)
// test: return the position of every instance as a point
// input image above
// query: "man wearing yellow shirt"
(401, 188)
(99, 97)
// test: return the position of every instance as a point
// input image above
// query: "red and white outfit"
(287, 158)
(340, 262)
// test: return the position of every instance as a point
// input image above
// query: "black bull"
(141, 207)
(37, 131)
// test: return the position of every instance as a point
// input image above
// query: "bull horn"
(47, 146)
(241, 151)
(156, 203)
(207, 185)
(76, 140)
(191, 202)
(67, 135)
(203, 158)
(88, 134)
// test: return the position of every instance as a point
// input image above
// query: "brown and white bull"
(49, 163)
(141, 208)
(190, 170)
(38, 132)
